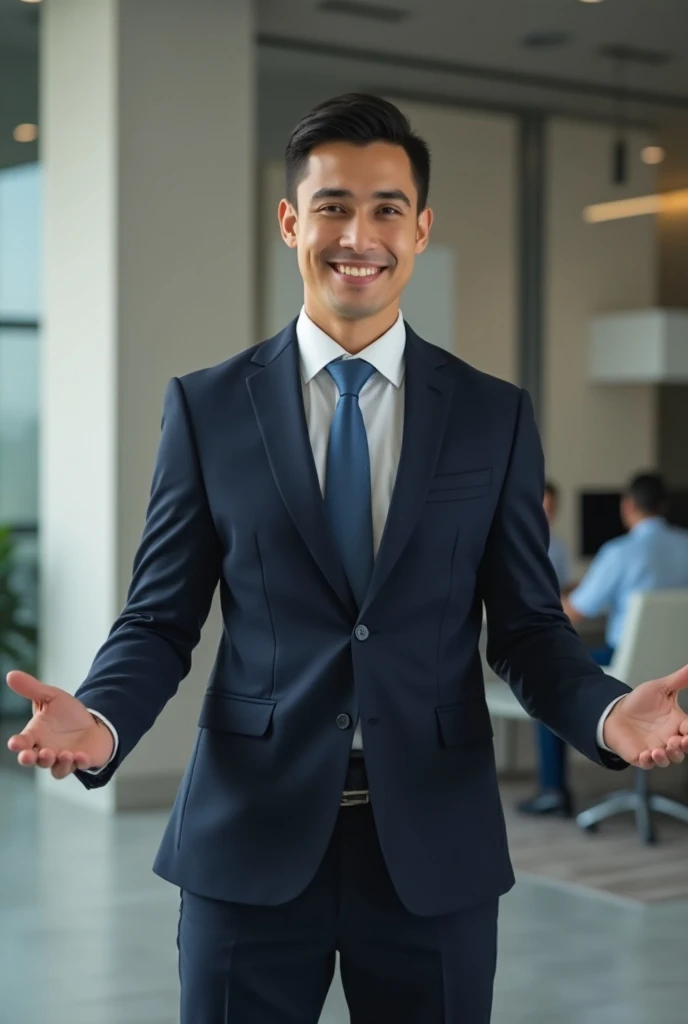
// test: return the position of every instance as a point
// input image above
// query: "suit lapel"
(428, 396)
(276, 394)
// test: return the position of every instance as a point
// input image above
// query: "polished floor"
(87, 933)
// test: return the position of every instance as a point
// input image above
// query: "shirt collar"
(648, 525)
(317, 349)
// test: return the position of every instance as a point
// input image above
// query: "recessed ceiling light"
(591, 1)
(652, 155)
(31, 1)
(26, 132)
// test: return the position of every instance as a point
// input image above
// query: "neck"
(352, 335)
(637, 520)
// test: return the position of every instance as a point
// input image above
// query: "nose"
(359, 234)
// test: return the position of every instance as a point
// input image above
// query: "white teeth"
(344, 268)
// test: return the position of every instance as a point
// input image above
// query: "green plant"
(17, 636)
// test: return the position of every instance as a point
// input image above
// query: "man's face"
(356, 228)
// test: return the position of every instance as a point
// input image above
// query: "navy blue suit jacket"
(235, 499)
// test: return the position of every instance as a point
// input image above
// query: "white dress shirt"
(381, 402)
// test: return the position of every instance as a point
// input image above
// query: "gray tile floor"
(87, 933)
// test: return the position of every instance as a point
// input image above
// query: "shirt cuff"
(600, 725)
(108, 723)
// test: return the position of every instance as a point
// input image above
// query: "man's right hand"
(62, 735)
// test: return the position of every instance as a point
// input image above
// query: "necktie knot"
(350, 375)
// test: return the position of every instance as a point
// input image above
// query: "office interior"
(140, 169)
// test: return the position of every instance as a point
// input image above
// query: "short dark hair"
(551, 489)
(359, 119)
(649, 492)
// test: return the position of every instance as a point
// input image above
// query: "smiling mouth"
(361, 273)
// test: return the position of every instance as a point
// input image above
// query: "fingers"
(659, 757)
(675, 749)
(61, 764)
(20, 741)
(64, 765)
(27, 758)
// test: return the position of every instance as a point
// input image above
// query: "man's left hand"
(647, 728)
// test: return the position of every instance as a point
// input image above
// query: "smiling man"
(357, 494)
(356, 246)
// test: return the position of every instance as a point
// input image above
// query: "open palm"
(647, 727)
(62, 734)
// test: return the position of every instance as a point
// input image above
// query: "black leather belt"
(356, 784)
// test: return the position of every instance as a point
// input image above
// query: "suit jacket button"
(343, 721)
(361, 632)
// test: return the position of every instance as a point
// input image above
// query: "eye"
(332, 208)
(389, 210)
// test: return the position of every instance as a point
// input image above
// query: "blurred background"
(141, 151)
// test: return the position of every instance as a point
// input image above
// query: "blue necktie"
(347, 483)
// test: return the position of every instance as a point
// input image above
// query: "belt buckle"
(353, 797)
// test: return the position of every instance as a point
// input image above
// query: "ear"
(288, 218)
(425, 220)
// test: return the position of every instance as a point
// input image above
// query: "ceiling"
(488, 34)
(470, 49)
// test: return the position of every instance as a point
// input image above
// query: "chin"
(349, 310)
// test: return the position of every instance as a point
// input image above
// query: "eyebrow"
(345, 193)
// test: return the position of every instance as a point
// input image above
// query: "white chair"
(654, 643)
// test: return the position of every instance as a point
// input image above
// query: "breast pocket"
(459, 486)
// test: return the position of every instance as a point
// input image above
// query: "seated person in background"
(551, 750)
(652, 555)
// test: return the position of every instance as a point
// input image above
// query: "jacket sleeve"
(531, 643)
(176, 570)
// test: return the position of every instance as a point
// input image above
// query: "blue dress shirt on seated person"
(652, 556)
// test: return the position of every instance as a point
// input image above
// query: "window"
(20, 312)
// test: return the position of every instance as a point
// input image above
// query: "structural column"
(147, 126)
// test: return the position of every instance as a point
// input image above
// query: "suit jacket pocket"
(227, 712)
(467, 722)
(459, 486)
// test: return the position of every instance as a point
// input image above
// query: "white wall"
(595, 435)
(473, 194)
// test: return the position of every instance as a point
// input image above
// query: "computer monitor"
(678, 509)
(600, 518)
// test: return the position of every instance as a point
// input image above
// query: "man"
(652, 555)
(553, 796)
(358, 493)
